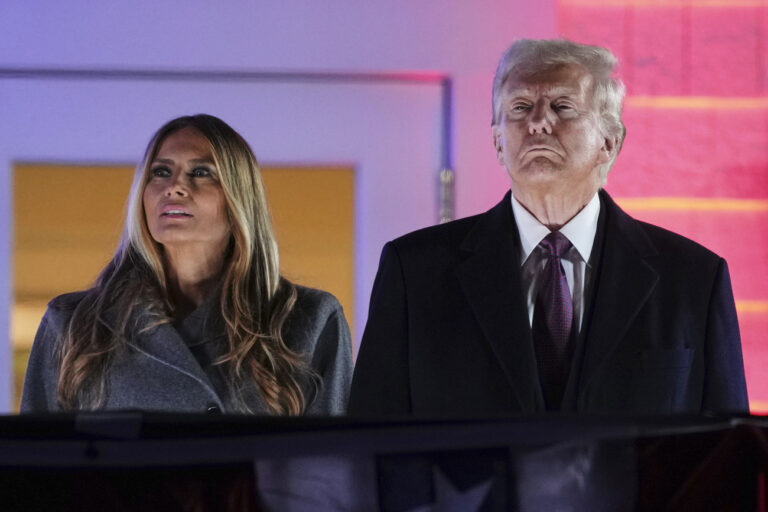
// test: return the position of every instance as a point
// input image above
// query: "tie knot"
(555, 244)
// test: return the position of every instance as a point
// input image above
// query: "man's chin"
(540, 169)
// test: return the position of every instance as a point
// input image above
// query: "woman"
(192, 314)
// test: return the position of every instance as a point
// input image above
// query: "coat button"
(213, 409)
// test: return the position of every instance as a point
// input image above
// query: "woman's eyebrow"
(192, 160)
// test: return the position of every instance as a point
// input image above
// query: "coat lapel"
(163, 344)
(490, 278)
(624, 282)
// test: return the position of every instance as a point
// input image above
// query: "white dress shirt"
(580, 231)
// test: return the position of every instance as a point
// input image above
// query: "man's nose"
(542, 119)
(177, 186)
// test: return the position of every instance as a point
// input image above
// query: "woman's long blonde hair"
(255, 300)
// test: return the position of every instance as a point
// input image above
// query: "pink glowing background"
(696, 156)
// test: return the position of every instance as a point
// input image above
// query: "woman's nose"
(176, 186)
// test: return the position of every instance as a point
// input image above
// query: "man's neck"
(554, 210)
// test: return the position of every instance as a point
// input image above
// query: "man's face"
(547, 134)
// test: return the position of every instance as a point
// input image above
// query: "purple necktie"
(553, 320)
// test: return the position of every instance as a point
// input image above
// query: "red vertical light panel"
(696, 156)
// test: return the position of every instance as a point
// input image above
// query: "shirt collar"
(580, 230)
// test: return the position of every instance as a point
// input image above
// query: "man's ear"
(610, 147)
(497, 144)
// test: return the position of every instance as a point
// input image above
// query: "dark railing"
(146, 461)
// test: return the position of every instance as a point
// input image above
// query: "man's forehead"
(568, 79)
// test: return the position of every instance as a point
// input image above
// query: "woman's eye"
(160, 172)
(519, 108)
(200, 172)
(563, 107)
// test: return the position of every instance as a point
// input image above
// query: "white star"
(449, 499)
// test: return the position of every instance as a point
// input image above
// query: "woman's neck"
(192, 276)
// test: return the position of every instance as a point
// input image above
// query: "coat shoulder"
(318, 328)
(67, 300)
(680, 255)
(315, 301)
(39, 392)
(668, 242)
(437, 238)
(651, 240)
(60, 308)
(314, 310)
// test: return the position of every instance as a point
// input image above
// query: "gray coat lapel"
(490, 278)
(624, 283)
(163, 345)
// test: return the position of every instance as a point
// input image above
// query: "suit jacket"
(156, 371)
(448, 332)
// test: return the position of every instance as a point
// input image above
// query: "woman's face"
(183, 201)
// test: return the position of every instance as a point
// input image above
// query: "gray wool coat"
(156, 371)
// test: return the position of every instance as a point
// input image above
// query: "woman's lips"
(175, 211)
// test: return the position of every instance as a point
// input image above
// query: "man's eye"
(563, 107)
(160, 172)
(200, 172)
(519, 108)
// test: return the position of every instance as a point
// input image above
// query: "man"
(555, 299)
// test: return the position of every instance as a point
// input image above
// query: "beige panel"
(67, 220)
(313, 213)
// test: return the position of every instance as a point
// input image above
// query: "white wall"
(463, 38)
(389, 132)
